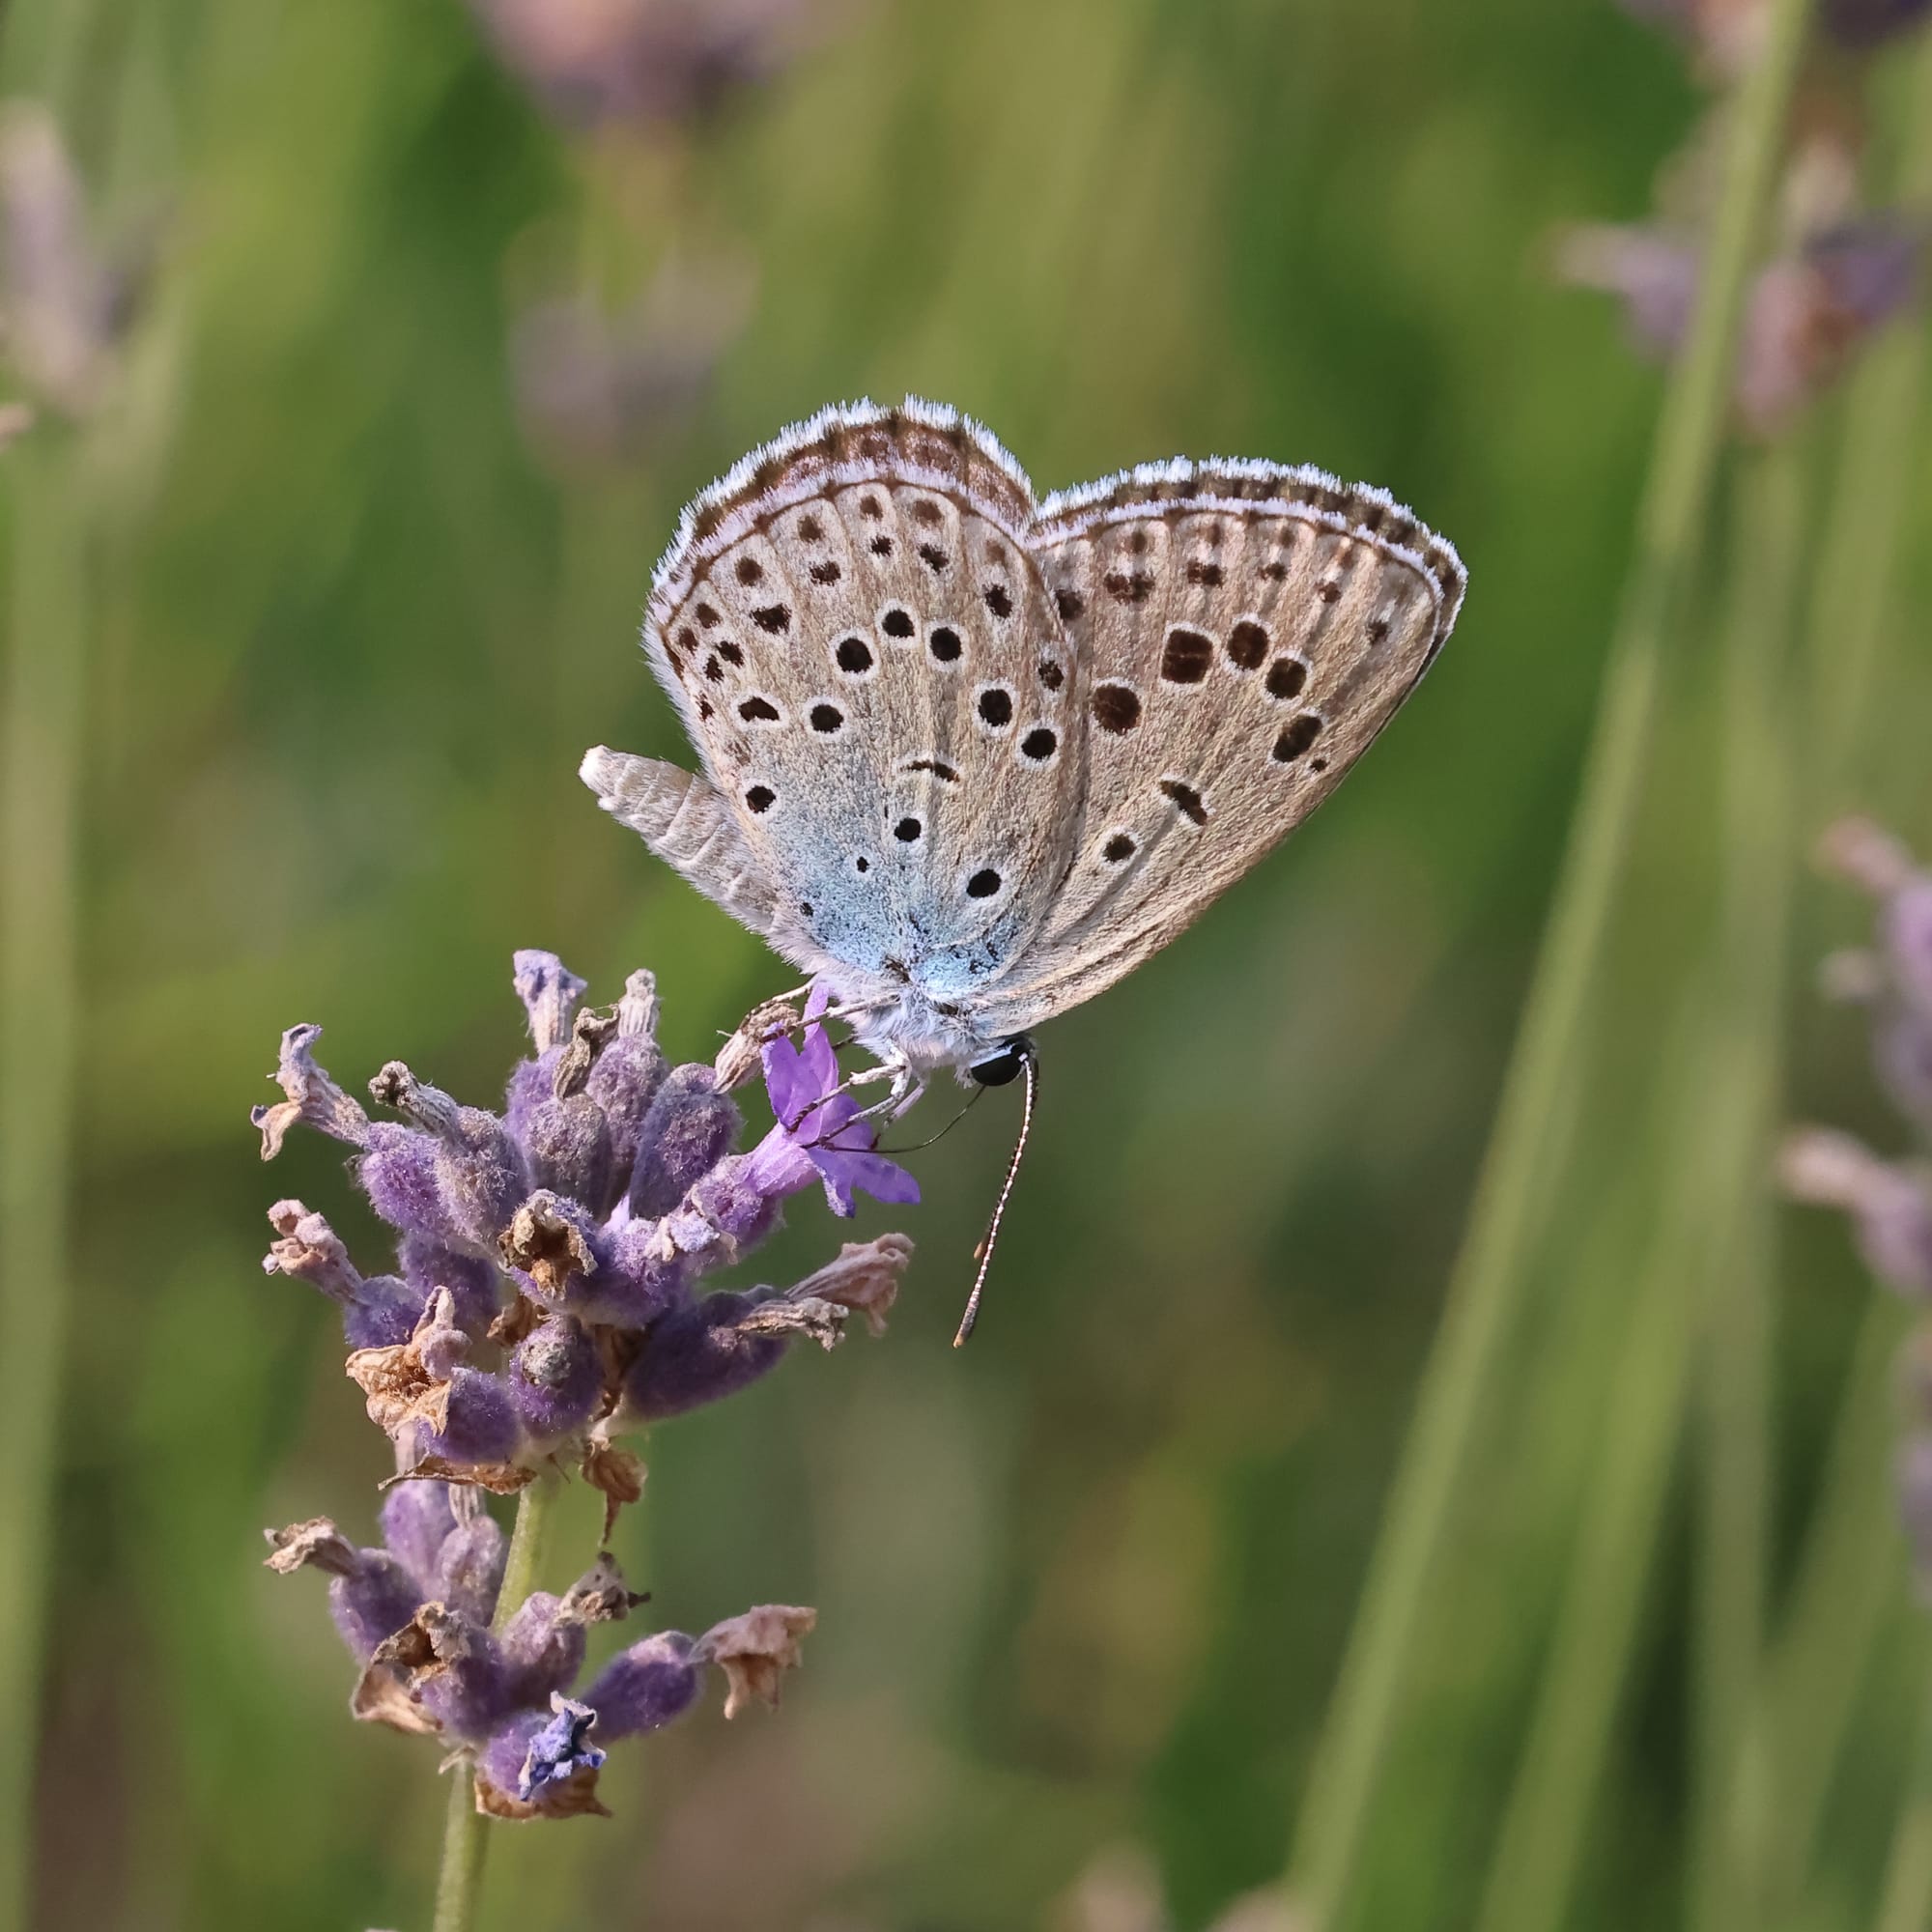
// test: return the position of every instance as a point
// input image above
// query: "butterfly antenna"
(983, 1253)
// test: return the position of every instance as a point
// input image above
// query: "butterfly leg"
(906, 1089)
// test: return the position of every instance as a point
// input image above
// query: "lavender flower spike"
(817, 1131)
(547, 1296)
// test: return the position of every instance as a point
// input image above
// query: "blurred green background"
(367, 537)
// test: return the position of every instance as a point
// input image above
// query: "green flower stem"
(1756, 863)
(465, 1832)
(1489, 1272)
(1545, 1825)
(40, 768)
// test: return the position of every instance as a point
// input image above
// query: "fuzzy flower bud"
(644, 1688)
(450, 1545)
(480, 1173)
(417, 1520)
(441, 1672)
(475, 1288)
(698, 1355)
(397, 1172)
(555, 1380)
(469, 1569)
(549, 992)
(690, 1128)
(371, 1595)
(628, 1071)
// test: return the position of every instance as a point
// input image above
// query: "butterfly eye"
(1004, 1062)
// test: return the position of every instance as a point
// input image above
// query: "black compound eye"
(1004, 1063)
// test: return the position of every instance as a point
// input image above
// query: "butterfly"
(970, 756)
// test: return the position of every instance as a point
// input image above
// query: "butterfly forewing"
(874, 674)
(1245, 632)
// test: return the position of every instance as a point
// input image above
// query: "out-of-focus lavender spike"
(1728, 33)
(642, 64)
(1912, 1479)
(1891, 1206)
(65, 304)
(1807, 311)
(1902, 1059)
(1905, 934)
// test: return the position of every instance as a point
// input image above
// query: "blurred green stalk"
(40, 769)
(466, 1831)
(1747, 1022)
(1711, 1266)
(1491, 1270)
(1906, 1903)
(1542, 1831)
(1848, 1577)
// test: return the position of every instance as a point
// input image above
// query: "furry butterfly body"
(969, 757)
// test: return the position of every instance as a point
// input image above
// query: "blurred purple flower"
(1893, 978)
(593, 64)
(1808, 311)
(596, 388)
(1725, 32)
(65, 303)
(1888, 1201)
